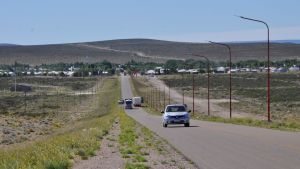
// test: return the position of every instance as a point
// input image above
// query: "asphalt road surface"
(224, 146)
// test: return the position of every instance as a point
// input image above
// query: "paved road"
(225, 146)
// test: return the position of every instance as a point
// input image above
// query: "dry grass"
(81, 138)
(250, 91)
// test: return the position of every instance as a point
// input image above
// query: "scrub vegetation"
(250, 92)
(52, 103)
(79, 139)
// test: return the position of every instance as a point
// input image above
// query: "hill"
(121, 51)
(7, 44)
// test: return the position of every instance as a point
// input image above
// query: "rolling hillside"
(121, 51)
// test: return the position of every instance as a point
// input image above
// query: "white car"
(176, 114)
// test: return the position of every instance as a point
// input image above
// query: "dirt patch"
(109, 156)
(161, 155)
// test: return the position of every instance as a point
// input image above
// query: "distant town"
(170, 67)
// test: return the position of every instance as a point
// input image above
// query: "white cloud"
(286, 33)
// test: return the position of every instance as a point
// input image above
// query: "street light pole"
(230, 65)
(164, 96)
(269, 76)
(182, 89)
(208, 81)
(193, 76)
(169, 94)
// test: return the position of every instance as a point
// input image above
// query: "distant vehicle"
(121, 101)
(176, 114)
(137, 101)
(128, 104)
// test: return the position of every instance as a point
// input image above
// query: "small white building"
(281, 70)
(234, 71)
(182, 71)
(193, 71)
(150, 72)
(220, 69)
(294, 69)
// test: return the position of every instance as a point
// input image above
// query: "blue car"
(176, 114)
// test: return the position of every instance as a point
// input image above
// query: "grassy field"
(250, 91)
(53, 103)
(81, 138)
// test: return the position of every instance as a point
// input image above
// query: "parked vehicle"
(121, 101)
(137, 101)
(176, 114)
(128, 104)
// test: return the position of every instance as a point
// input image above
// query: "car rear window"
(175, 108)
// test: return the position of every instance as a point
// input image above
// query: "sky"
(33, 22)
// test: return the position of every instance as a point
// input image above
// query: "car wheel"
(165, 125)
(187, 125)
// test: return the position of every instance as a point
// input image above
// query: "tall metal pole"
(182, 90)
(193, 76)
(159, 105)
(208, 81)
(151, 97)
(269, 75)
(169, 94)
(208, 89)
(230, 65)
(15, 77)
(164, 96)
(156, 99)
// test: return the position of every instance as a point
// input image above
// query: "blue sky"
(63, 21)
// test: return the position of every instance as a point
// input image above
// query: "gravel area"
(161, 154)
(108, 157)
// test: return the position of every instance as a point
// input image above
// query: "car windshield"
(175, 108)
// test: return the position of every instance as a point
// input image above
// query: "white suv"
(176, 114)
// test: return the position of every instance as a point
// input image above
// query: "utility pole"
(269, 74)
(164, 96)
(182, 89)
(159, 105)
(15, 76)
(193, 76)
(169, 93)
(230, 66)
(208, 81)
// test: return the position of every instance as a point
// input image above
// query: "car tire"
(165, 125)
(187, 125)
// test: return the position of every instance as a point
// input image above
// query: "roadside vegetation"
(77, 139)
(52, 103)
(129, 147)
(250, 92)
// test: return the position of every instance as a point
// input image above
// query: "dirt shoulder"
(130, 145)
(108, 157)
